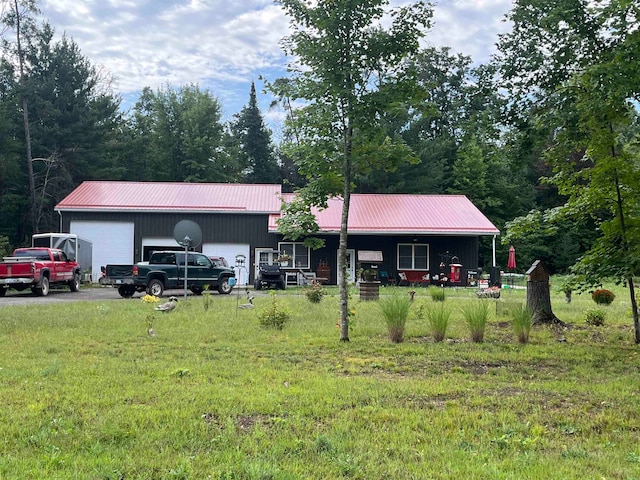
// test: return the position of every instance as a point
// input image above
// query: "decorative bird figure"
(247, 305)
(168, 306)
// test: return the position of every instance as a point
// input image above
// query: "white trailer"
(74, 247)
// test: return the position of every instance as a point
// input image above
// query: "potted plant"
(283, 259)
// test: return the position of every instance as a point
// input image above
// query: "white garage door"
(230, 251)
(153, 244)
(112, 242)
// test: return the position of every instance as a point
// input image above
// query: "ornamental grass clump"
(476, 315)
(522, 320)
(274, 315)
(437, 293)
(395, 309)
(438, 318)
(603, 296)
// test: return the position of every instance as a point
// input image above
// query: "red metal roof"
(403, 214)
(183, 197)
(369, 213)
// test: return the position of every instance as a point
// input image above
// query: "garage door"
(153, 244)
(112, 242)
(230, 251)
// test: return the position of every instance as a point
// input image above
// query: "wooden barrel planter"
(369, 290)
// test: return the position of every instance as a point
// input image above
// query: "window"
(298, 252)
(412, 256)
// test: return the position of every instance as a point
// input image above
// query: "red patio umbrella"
(511, 263)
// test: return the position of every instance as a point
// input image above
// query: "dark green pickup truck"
(165, 270)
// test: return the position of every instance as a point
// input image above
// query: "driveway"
(63, 295)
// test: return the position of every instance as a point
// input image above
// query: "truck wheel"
(74, 285)
(282, 285)
(3, 291)
(42, 290)
(155, 288)
(126, 291)
(257, 285)
(225, 287)
(197, 290)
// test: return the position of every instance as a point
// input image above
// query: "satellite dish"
(187, 233)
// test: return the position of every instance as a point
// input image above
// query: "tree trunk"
(25, 116)
(634, 310)
(539, 302)
(344, 226)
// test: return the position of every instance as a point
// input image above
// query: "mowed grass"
(87, 393)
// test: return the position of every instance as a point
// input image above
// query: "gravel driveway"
(63, 295)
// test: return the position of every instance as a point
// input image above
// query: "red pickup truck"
(38, 269)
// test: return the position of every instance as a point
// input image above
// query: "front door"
(351, 266)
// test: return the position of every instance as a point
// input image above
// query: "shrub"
(314, 292)
(395, 309)
(522, 322)
(438, 317)
(603, 296)
(476, 315)
(275, 315)
(596, 317)
(437, 293)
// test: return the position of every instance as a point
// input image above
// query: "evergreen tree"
(254, 139)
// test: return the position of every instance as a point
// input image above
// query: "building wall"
(216, 228)
(252, 229)
(465, 248)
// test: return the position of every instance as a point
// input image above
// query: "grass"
(86, 392)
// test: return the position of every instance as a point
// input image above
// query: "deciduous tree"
(353, 76)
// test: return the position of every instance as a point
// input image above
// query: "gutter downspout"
(494, 250)
(60, 213)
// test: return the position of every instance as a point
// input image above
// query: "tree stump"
(539, 295)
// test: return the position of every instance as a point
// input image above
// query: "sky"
(224, 45)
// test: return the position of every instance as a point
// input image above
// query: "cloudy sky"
(222, 45)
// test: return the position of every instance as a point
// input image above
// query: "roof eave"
(459, 233)
(163, 210)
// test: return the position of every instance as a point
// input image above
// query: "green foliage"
(437, 293)
(177, 135)
(522, 321)
(5, 246)
(314, 292)
(602, 296)
(596, 317)
(579, 85)
(476, 316)
(256, 150)
(353, 77)
(438, 319)
(275, 314)
(395, 309)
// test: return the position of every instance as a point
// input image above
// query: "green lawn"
(87, 393)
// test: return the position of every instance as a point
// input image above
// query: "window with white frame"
(413, 256)
(298, 252)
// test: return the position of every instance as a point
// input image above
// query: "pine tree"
(256, 149)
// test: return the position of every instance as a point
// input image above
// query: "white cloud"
(223, 45)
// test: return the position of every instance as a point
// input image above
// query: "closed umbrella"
(511, 263)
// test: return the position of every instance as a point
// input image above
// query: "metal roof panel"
(159, 196)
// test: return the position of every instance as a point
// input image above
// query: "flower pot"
(369, 290)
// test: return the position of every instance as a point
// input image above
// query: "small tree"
(353, 76)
